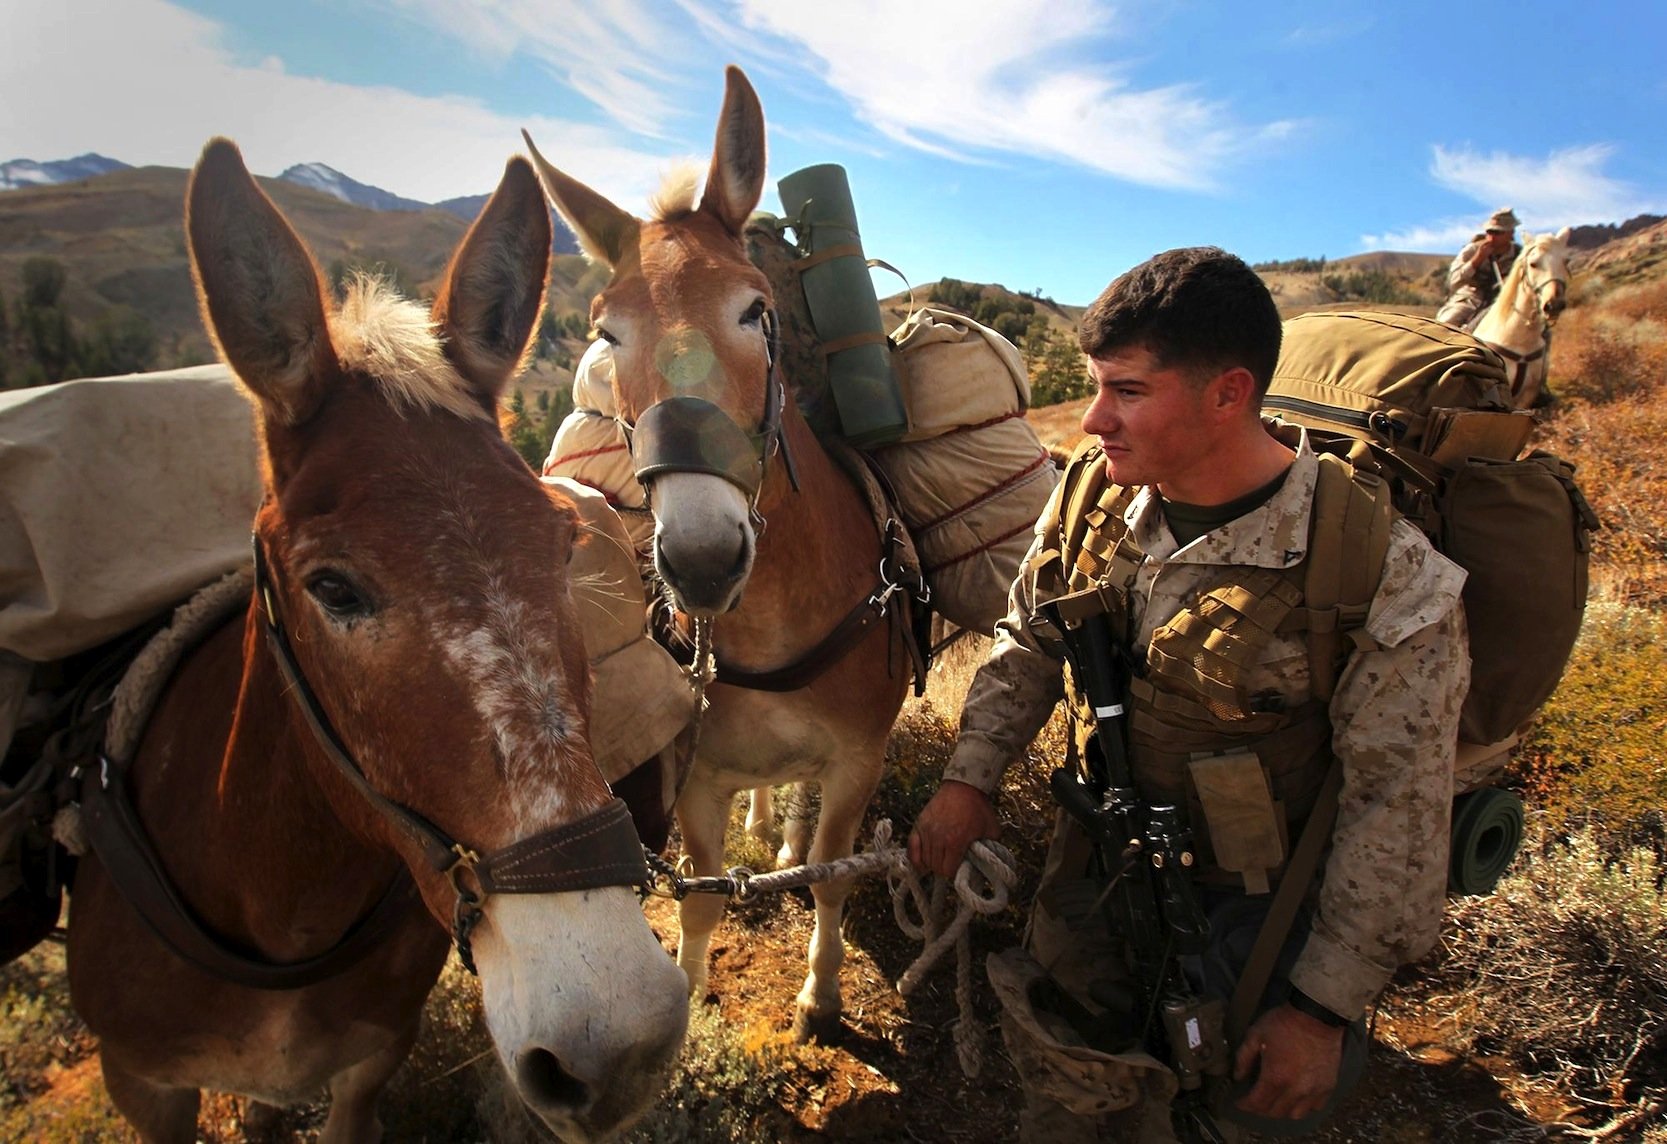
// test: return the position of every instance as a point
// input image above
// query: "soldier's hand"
(957, 816)
(1299, 1060)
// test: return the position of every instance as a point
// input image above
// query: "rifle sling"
(1276, 927)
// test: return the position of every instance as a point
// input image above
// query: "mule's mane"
(393, 340)
(676, 196)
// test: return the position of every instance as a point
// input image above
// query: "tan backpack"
(1426, 406)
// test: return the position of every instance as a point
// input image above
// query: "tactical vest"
(1190, 709)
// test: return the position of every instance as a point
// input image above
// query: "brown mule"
(418, 567)
(777, 569)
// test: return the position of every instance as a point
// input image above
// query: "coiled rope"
(983, 886)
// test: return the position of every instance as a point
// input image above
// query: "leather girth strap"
(137, 872)
(900, 595)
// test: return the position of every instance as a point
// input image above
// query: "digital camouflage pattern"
(1393, 719)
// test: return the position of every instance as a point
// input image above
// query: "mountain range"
(118, 241)
(28, 173)
(20, 173)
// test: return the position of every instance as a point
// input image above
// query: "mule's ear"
(260, 292)
(1563, 236)
(603, 230)
(736, 180)
(488, 306)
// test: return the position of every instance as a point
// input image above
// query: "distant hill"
(1638, 256)
(28, 173)
(1387, 279)
(1592, 237)
(320, 177)
(1379, 278)
(120, 240)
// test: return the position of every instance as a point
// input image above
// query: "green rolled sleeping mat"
(1487, 829)
(842, 303)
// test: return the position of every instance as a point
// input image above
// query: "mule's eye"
(754, 313)
(338, 595)
(599, 332)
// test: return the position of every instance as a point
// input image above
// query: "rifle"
(1146, 853)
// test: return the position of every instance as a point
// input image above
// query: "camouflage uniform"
(1394, 720)
(1472, 289)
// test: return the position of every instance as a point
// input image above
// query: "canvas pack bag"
(590, 448)
(1427, 407)
(970, 475)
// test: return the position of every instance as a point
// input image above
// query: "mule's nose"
(705, 573)
(547, 1087)
(574, 1110)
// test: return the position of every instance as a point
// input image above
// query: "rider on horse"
(1473, 279)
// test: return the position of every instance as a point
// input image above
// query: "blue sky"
(1044, 144)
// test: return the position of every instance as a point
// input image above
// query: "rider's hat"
(1503, 220)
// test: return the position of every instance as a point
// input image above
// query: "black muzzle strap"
(692, 435)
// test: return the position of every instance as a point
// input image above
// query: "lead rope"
(983, 885)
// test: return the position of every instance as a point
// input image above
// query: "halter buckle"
(467, 863)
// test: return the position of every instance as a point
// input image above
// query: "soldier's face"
(1150, 420)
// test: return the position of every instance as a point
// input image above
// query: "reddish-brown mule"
(419, 568)
(776, 569)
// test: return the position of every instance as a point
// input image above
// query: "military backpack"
(1427, 407)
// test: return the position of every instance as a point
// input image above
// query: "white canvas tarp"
(119, 497)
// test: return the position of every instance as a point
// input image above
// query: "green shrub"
(1596, 755)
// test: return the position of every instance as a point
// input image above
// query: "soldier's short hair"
(1198, 309)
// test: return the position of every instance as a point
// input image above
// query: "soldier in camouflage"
(1182, 349)
(1474, 278)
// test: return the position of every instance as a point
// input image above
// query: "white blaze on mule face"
(523, 699)
(703, 540)
(586, 1009)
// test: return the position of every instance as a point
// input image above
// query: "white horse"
(1518, 324)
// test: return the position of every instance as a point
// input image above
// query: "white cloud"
(1448, 234)
(1013, 78)
(155, 82)
(1566, 188)
(1324, 35)
(615, 54)
(1009, 76)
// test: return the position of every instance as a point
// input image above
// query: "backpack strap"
(1347, 543)
(1088, 506)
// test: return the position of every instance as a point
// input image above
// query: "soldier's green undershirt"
(1187, 522)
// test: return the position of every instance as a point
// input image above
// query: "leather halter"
(600, 849)
(692, 435)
